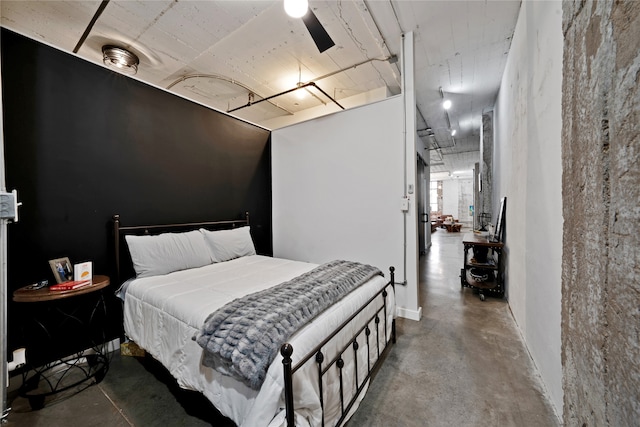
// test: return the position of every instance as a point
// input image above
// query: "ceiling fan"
(300, 9)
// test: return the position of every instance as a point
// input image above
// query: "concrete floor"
(464, 363)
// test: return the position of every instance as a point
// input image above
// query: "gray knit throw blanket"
(242, 338)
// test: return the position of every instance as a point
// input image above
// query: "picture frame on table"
(499, 228)
(62, 269)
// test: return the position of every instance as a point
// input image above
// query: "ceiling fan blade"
(318, 33)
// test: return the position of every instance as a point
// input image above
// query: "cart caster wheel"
(481, 297)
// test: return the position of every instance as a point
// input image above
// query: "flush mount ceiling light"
(119, 58)
(453, 132)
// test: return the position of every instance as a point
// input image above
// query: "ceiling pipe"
(446, 116)
(90, 26)
(428, 129)
(391, 59)
(226, 79)
(434, 142)
(384, 40)
(309, 84)
(422, 117)
(212, 76)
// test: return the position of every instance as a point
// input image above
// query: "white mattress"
(162, 313)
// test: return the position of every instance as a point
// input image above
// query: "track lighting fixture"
(446, 103)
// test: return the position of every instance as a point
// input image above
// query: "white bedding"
(162, 313)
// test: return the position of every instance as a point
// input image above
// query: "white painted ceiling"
(221, 53)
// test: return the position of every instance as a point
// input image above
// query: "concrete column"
(476, 195)
(486, 166)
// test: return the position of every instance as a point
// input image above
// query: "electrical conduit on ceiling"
(310, 84)
(84, 36)
(226, 79)
(392, 59)
(313, 83)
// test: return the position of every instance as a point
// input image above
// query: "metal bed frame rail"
(381, 342)
(338, 361)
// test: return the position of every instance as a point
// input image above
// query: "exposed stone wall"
(486, 153)
(477, 195)
(601, 209)
(465, 199)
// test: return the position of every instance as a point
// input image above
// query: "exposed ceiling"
(227, 54)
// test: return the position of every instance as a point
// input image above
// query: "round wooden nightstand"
(57, 316)
(25, 294)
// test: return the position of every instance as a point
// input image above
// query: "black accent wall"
(83, 143)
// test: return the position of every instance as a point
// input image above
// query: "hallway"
(463, 364)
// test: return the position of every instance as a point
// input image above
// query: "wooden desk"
(482, 262)
(475, 239)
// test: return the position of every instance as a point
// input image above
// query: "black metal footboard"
(323, 366)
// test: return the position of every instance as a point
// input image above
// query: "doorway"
(422, 199)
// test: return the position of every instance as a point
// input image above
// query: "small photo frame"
(62, 269)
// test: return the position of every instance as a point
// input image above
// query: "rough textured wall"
(465, 199)
(477, 195)
(487, 166)
(601, 207)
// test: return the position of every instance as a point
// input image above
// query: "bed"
(323, 369)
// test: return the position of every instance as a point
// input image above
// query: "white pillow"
(229, 244)
(168, 252)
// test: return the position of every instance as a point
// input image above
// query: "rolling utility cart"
(482, 270)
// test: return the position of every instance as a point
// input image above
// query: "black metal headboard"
(123, 259)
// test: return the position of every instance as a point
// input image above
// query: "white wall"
(465, 199)
(338, 182)
(457, 196)
(337, 187)
(528, 170)
(450, 197)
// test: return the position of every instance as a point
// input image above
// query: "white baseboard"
(113, 345)
(15, 381)
(409, 314)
